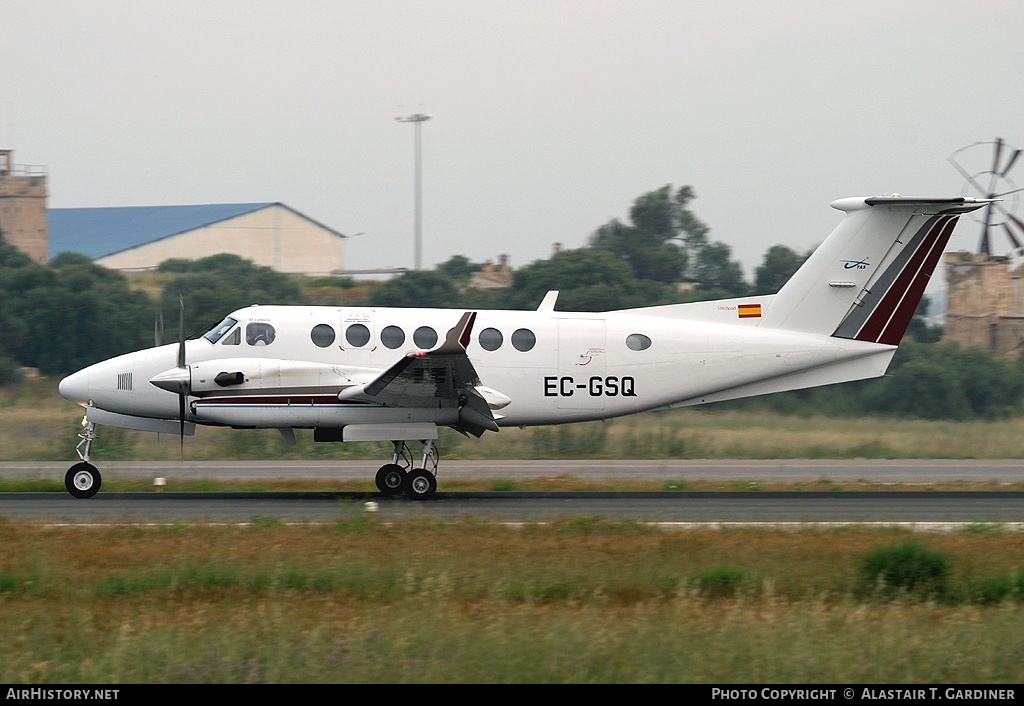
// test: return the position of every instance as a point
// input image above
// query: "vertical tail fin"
(866, 280)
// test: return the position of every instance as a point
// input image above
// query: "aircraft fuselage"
(552, 367)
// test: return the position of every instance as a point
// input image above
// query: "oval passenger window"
(637, 342)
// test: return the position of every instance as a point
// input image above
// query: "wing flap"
(443, 377)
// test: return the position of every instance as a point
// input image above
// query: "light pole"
(418, 119)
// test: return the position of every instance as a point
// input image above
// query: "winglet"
(458, 338)
(548, 304)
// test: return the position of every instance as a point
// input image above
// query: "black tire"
(391, 480)
(420, 484)
(83, 480)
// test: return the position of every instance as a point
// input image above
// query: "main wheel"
(390, 479)
(420, 484)
(83, 480)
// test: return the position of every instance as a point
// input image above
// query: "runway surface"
(926, 508)
(787, 470)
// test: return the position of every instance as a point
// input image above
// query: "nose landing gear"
(83, 479)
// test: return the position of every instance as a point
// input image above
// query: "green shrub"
(722, 581)
(908, 568)
(994, 589)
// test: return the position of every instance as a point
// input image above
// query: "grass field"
(576, 601)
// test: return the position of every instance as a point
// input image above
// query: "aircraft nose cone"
(75, 387)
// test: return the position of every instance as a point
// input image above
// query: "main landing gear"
(83, 479)
(399, 477)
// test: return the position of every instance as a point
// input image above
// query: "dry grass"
(578, 601)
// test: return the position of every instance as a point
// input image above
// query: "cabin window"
(233, 338)
(392, 337)
(490, 339)
(357, 335)
(214, 334)
(524, 340)
(424, 337)
(637, 342)
(259, 334)
(322, 335)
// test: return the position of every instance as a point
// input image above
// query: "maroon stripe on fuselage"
(885, 310)
(297, 400)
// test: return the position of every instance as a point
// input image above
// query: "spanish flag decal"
(749, 311)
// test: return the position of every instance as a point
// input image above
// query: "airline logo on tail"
(859, 264)
(884, 312)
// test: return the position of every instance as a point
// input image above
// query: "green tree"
(778, 266)
(214, 286)
(587, 279)
(459, 268)
(70, 314)
(663, 232)
(718, 276)
(418, 289)
(919, 329)
(11, 326)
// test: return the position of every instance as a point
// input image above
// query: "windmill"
(985, 167)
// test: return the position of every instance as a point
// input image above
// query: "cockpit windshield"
(214, 334)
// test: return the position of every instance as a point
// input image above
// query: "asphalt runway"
(920, 508)
(786, 470)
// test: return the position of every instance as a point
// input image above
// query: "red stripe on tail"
(884, 324)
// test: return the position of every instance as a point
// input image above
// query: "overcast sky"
(550, 117)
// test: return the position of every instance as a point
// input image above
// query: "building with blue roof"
(141, 237)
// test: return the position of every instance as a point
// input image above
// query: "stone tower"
(985, 303)
(23, 221)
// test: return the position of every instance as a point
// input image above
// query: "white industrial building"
(141, 237)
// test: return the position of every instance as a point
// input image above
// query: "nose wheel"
(83, 480)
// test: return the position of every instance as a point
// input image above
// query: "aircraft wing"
(443, 377)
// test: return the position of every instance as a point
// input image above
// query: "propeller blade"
(183, 390)
(158, 330)
(1013, 158)
(181, 423)
(181, 331)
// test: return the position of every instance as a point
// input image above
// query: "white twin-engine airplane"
(367, 374)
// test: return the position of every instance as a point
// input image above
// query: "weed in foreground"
(908, 569)
(722, 581)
